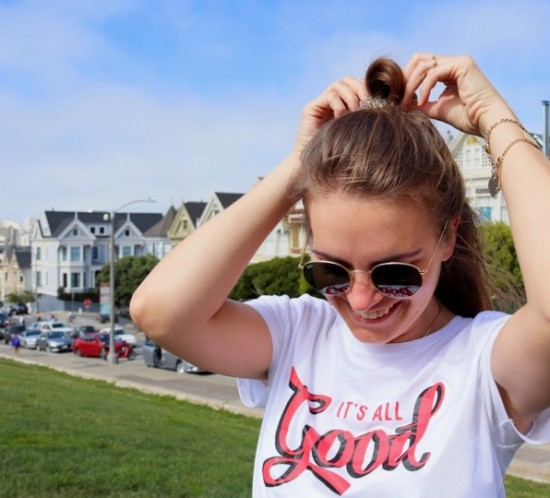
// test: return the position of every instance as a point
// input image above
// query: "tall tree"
(130, 271)
(503, 264)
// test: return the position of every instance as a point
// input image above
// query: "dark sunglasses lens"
(397, 280)
(327, 278)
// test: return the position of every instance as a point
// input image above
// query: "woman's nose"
(362, 294)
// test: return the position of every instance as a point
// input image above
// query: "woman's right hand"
(340, 97)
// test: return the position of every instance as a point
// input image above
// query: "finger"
(422, 73)
(347, 92)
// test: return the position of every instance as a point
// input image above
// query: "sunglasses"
(395, 280)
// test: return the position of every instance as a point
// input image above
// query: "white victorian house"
(70, 248)
(469, 153)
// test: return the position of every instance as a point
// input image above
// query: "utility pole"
(111, 356)
(546, 141)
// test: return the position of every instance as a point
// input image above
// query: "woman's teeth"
(371, 315)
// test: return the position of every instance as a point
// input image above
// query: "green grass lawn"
(63, 436)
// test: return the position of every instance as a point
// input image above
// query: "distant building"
(8, 233)
(185, 221)
(469, 153)
(157, 241)
(217, 203)
(15, 271)
(288, 238)
(70, 248)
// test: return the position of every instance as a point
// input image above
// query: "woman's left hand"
(469, 101)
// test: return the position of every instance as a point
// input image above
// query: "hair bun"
(385, 80)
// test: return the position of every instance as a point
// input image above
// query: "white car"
(54, 326)
(121, 335)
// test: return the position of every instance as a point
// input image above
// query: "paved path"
(218, 392)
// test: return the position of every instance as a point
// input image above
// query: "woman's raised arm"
(183, 305)
(521, 354)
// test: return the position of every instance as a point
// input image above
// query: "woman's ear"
(450, 238)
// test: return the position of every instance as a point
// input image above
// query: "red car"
(95, 345)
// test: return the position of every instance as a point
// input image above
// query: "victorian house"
(70, 248)
(469, 153)
(15, 271)
(185, 221)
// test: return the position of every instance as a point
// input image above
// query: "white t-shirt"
(418, 419)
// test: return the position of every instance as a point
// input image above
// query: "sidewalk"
(218, 392)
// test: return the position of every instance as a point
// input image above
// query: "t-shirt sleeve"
(253, 392)
(293, 323)
(490, 324)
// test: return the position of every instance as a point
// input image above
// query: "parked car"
(53, 325)
(121, 335)
(18, 309)
(157, 357)
(29, 337)
(95, 344)
(4, 319)
(10, 331)
(54, 341)
(82, 330)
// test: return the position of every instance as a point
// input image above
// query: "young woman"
(401, 382)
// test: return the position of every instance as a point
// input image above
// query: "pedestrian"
(402, 381)
(15, 343)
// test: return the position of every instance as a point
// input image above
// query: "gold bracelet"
(494, 181)
(487, 134)
(494, 125)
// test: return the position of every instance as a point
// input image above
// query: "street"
(217, 391)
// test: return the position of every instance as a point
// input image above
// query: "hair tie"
(372, 103)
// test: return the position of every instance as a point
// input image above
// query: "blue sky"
(108, 101)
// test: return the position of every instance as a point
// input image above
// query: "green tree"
(503, 264)
(130, 271)
(278, 276)
(25, 296)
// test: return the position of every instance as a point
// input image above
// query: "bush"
(278, 276)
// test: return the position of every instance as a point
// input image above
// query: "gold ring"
(434, 59)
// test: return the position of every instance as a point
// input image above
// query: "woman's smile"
(379, 313)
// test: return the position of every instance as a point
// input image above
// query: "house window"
(63, 253)
(38, 253)
(126, 251)
(65, 280)
(75, 280)
(127, 232)
(75, 231)
(485, 213)
(95, 253)
(92, 229)
(38, 279)
(75, 253)
(101, 230)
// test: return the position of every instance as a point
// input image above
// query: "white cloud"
(82, 137)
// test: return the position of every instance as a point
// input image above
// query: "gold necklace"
(433, 321)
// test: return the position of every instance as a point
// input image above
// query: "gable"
(77, 231)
